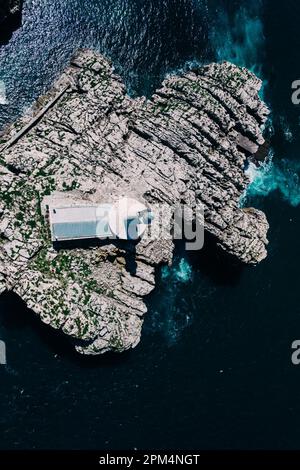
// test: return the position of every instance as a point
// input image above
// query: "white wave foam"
(282, 176)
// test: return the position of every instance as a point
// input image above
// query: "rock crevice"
(87, 140)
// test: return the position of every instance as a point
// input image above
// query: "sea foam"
(282, 175)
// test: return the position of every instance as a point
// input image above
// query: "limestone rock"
(87, 140)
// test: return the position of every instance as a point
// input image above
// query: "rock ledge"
(88, 141)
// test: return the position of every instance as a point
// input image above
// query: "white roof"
(125, 219)
(79, 222)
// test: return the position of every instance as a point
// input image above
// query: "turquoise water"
(239, 36)
(282, 176)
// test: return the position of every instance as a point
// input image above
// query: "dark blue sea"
(214, 366)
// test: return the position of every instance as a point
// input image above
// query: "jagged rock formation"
(88, 140)
(10, 18)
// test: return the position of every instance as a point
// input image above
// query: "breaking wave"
(172, 313)
(239, 39)
(182, 272)
(282, 176)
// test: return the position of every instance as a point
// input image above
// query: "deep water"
(213, 369)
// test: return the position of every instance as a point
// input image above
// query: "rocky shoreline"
(89, 141)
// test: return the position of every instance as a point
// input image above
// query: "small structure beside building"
(126, 220)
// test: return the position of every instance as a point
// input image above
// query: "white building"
(125, 220)
(79, 222)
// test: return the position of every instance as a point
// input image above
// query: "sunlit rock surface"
(90, 141)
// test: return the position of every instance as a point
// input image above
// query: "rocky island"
(87, 141)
